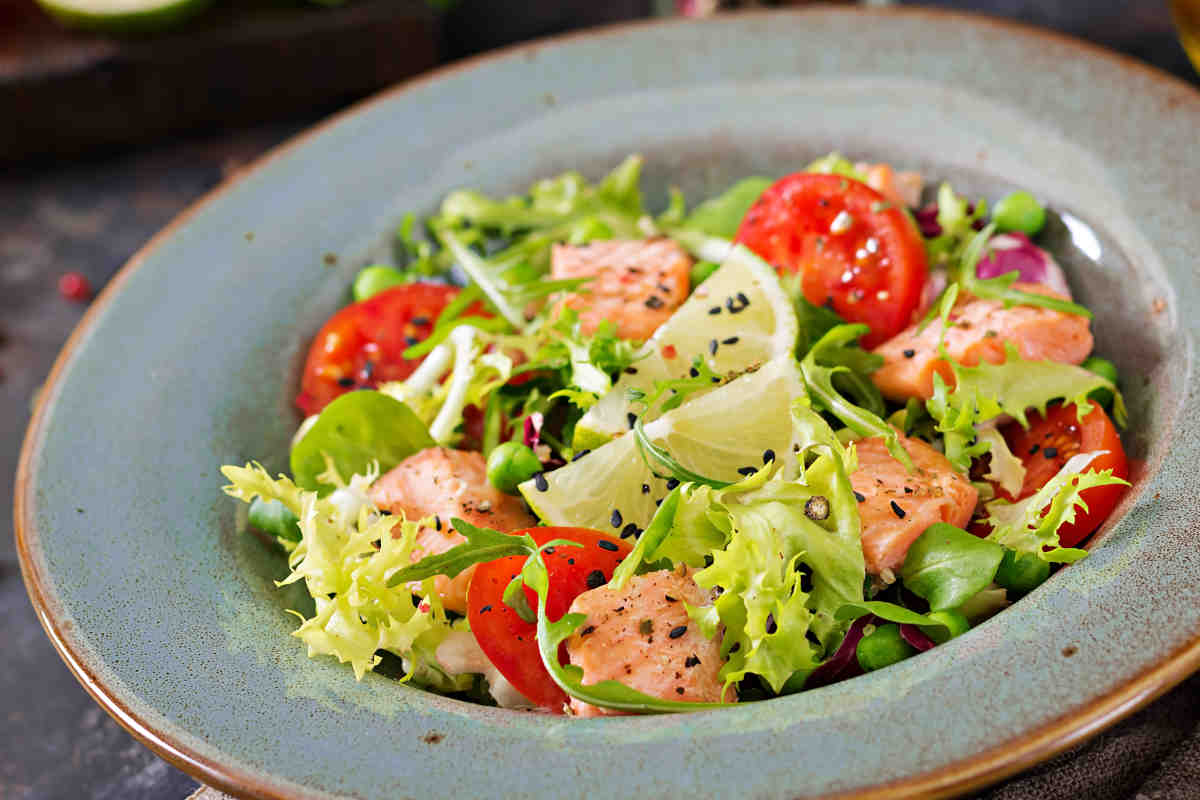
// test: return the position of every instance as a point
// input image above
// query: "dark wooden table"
(91, 214)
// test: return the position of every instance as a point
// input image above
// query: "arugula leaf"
(1021, 526)
(354, 431)
(946, 566)
(890, 612)
(833, 347)
(1000, 287)
(649, 541)
(605, 694)
(482, 545)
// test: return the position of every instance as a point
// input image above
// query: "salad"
(576, 457)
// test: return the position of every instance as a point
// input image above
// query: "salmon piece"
(978, 330)
(900, 188)
(896, 507)
(637, 284)
(628, 638)
(444, 483)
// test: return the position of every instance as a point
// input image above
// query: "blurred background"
(113, 122)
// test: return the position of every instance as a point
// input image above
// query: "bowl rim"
(982, 769)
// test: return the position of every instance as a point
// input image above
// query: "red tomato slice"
(1053, 439)
(363, 344)
(508, 641)
(853, 248)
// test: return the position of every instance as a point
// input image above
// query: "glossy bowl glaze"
(163, 606)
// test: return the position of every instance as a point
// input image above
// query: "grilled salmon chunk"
(977, 332)
(896, 507)
(642, 637)
(443, 483)
(637, 284)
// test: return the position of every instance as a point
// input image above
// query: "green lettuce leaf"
(837, 347)
(722, 215)
(356, 430)
(1021, 526)
(345, 557)
(985, 392)
(946, 566)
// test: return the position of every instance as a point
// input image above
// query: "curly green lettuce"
(346, 555)
(1032, 525)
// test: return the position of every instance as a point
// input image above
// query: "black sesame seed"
(658, 502)
(678, 690)
(745, 301)
(615, 519)
(580, 455)
(645, 488)
(1050, 452)
(898, 511)
(1033, 450)
(437, 522)
(908, 490)
(595, 579)
(411, 340)
(670, 599)
(604, 544)
(630, 529)
(420, 321)
(631, 418)
(716, 379)
(587, 630)
(485, 609)
(909, 353)
(736, 646)
(692, 661)
(712, 347)
(539, 480)
(730, 340)
(768, 456)
(693, 372)
(771, 626)
(715, 310)
(346, 382)
(747, 470)
(549, 551)
(654, 301)
(631, 370)
(571, 561)
(859, 497)
(672, 483)
(677, 632)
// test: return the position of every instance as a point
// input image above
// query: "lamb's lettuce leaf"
(946, 566)
(356, 430)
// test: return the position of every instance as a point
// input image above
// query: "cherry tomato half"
(363, 344)
(1050, 441)
(508, 641)
(852, 247)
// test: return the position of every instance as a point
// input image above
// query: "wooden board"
(63, 93)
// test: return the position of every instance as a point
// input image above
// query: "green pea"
(1021, 573)
(953, 620)
(1105, 369)
(1019, 211)
(702, 270)
(509, 464)
(373, 280)
(273, 517)
(883, 647)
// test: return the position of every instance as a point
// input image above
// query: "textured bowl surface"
(163, 606)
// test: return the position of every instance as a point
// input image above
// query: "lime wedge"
(716, 435)
(123, 16)
(738, 319)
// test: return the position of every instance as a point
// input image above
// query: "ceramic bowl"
(145, 578)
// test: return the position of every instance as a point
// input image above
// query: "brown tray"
(63, 92)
